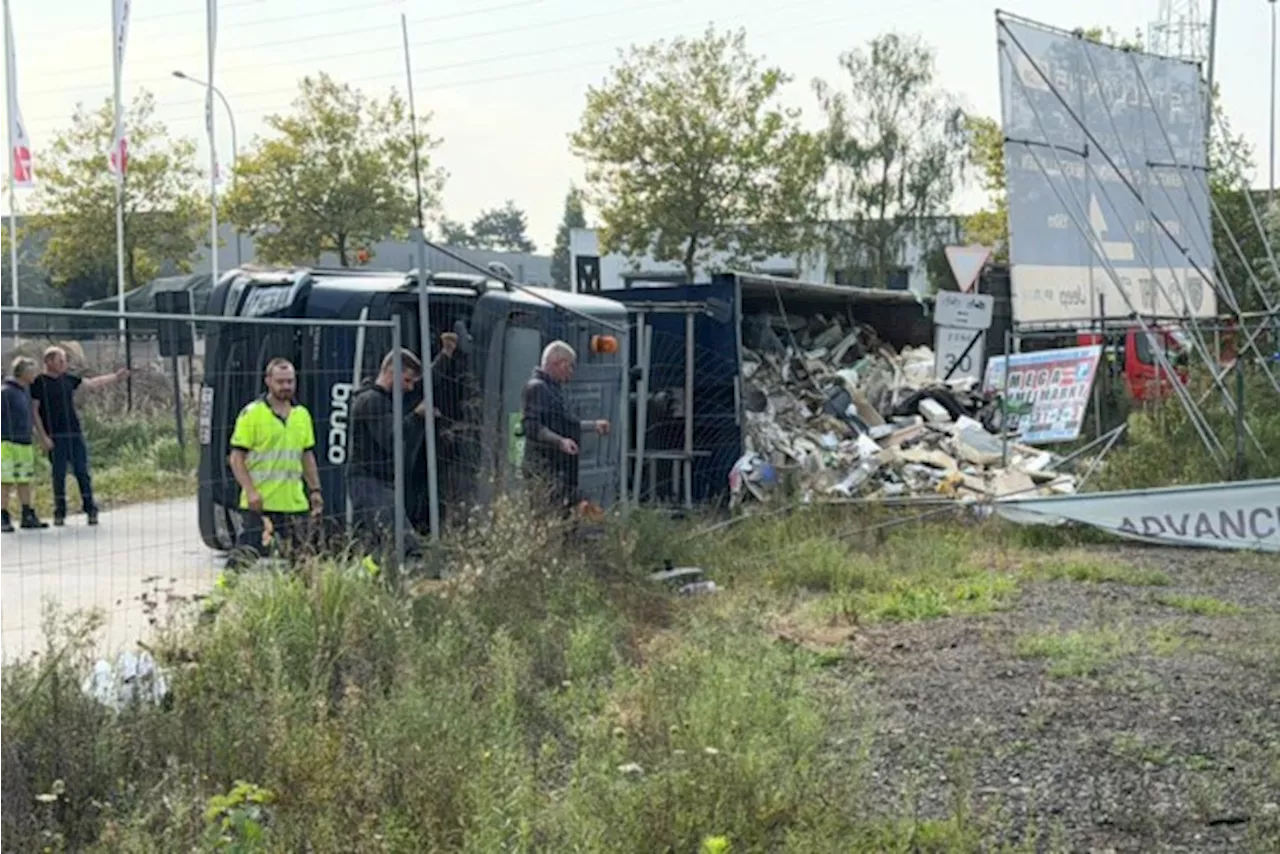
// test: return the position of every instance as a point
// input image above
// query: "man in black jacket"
(552, 431)
(371, 474)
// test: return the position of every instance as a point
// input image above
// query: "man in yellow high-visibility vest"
(272, 455)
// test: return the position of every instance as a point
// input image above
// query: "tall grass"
(539, 701)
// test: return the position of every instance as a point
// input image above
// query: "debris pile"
(834, 413)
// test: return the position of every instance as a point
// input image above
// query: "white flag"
(19, 145)
(118, 156)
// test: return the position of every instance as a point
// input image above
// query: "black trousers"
(290, 533)
(373, 505)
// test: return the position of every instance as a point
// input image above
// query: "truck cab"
(501, 331)
(1132, 354)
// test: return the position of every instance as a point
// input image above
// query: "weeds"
(1087, 652)
(1203, 606)
(1095, 570)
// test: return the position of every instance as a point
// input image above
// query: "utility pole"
(1271, 181)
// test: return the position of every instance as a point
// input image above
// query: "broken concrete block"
(1012, 482)
(933, 412)
(979, 447)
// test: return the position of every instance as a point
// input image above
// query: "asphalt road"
(139, 566)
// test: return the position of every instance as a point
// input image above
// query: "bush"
(538, 700)
(1162, 447)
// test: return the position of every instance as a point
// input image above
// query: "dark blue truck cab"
(503, 331)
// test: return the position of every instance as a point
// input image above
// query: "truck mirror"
(637, 373)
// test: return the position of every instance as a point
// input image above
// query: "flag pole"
(117, 59)
(9, 63)
(211, 26)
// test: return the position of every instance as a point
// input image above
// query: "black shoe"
(6, 524)
(59, 519)
(31, 521)
(93, 516)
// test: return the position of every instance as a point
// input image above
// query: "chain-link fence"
(159, 443)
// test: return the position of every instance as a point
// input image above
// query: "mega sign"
(1244, 515)
(1074, 216)
(1048, 391)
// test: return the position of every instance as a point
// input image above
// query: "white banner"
(1243, 515)
(19, 144)
(118, 156)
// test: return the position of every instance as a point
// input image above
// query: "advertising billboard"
(1048, 391)
(1068, 105)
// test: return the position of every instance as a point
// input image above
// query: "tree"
(336, 175)
(164, 209)
(989, 226)
(689, 155)
(574, 217)
(894, 146)
(496, 229)
(455, 233)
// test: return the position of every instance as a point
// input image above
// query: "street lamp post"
(235, 149)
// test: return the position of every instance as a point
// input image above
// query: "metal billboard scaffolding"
(1053, 275)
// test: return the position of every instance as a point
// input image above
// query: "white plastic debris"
(135, 677)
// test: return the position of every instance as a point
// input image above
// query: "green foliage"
(76, 199)
(894, 144)
(1144, 459)
(236, 821)
(689, 154)
(1204, 606)
(989, 226)
(498, 229)
(574, 217)
(335, 175)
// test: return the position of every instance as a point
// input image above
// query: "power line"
(379, 4)
(384, 50)
(558, 49)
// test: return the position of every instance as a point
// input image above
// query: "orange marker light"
(604, 344)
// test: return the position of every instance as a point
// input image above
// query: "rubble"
(833, 413)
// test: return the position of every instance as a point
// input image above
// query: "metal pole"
(177, 406)
(1271, 181)
(688, 409)
(210, 30)
(424, 313)
(1213, 49)
(428, 386)
(1004, 400)
(10, 62)
(116, 72)
(397, 442)
(235, 144)
(1240, 463)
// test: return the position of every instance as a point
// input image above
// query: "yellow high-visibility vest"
(273, 449)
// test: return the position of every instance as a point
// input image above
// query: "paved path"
(141, 554)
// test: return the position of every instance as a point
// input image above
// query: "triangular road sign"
(967, 263)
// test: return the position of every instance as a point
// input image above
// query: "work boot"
(59, 515)
(30, 520)
(6, 524)
(93, 515)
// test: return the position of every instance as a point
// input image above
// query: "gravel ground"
(1171, 743)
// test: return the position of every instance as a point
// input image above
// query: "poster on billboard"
(1242, 515)
(1048, 391)
(1069, 205)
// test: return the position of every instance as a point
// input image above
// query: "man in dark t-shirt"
(54, 395)
(552, 431)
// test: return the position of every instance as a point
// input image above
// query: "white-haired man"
(552, 431)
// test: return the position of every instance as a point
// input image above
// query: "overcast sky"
(505, 79)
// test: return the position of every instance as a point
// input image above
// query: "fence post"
(1240, 461)
(397, 442)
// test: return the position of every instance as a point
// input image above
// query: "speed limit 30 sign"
(951, 345)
